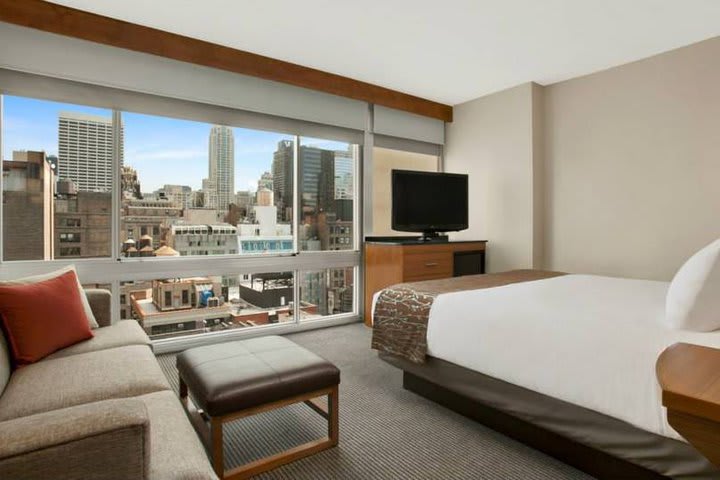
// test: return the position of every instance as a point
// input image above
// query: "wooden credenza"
(388, 263)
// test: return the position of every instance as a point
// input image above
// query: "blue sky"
(163, 150)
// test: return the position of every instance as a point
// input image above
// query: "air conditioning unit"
(213, 302)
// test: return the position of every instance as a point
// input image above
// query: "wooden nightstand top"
(690, 379)
(689, 376)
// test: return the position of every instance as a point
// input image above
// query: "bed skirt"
(600, 445)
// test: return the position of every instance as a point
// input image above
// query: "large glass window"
(327, 186)
(183, 188)
(326, 292)
(57, 178)
(170, 307)
(191, 188)
(386, 160)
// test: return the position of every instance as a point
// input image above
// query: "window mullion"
(296, 226)
(116, 186)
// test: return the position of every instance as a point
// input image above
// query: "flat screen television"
(429, 202)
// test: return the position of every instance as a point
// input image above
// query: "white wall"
(614, 173)
(633, 165)
(491, 139)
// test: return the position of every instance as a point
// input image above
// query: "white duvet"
(589, 340)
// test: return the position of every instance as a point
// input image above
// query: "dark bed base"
(595, 462)
(548, 424)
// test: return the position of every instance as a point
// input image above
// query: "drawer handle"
(431, 264)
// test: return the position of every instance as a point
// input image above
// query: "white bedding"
(589, 340)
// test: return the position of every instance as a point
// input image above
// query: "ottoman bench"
(227, 381)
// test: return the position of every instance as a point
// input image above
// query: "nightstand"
(689, 376)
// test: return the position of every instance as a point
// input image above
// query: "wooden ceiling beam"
(58, 19)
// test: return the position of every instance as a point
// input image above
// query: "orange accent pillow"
(42, 318)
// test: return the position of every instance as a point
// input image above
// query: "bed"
(565, 363)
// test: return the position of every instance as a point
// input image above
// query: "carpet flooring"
(385, 432)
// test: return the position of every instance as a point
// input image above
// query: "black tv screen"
(429, 202)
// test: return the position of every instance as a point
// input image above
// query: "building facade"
(222, 164)
(147, 217)
(85, 150)
(82, 224)
(28, 190)
(282, 172)
(219, 239)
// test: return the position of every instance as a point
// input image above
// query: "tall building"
(86, 150)
(282, 172)
(344, 167)
(317, 179)
(82, 222)
(27, 227)
(222, 164)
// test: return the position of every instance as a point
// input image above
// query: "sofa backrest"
(5, 367)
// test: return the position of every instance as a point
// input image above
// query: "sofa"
(99, 409)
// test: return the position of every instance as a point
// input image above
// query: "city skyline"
(163, 150)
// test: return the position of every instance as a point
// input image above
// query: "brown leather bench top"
(228, 377)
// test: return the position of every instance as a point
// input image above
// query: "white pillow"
(47, 276)
(693, 299)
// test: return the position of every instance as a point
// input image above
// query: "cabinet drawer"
(427, 266)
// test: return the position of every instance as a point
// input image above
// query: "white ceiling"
(450, 51)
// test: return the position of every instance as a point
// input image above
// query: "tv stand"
(391, 260)
(433, 237)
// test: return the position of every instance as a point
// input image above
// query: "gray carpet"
(385, 432)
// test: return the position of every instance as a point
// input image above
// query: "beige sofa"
(100, 409)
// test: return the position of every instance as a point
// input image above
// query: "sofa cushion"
(47, 276)
(76, 379)
(5, 366)
(175, 449)
(41, 318)
(120, 334)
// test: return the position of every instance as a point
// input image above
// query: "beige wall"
(491, 139)
(633, 165)
(614, 173)
(384, 161)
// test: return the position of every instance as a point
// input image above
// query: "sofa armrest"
(102, 440)
(100, 301)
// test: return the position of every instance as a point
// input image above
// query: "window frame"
(116, 269)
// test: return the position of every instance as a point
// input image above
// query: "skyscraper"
(282, 172)
(222, 164)
(86, 150)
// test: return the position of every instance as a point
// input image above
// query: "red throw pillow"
(41, 318)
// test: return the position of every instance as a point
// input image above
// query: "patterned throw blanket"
(402, 311)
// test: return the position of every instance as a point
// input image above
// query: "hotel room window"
(327, 191)
(187, 183)
(172, 307)
(385, 160)
(326, 292)
(57, 178)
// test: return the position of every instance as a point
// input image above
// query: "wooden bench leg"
(334, 416)
(213, 436)
(218, 460)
